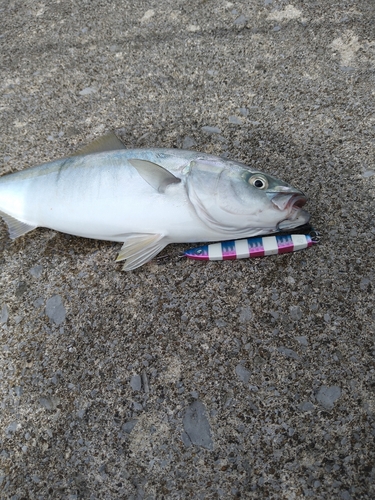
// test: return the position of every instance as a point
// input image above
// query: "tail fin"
(16, 227)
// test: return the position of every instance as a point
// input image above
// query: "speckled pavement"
(237, 379)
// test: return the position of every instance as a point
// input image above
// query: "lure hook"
(315, 236)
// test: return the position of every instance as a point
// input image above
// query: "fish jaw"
(290, 201)
(297, 218)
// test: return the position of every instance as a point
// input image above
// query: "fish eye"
(258, 181)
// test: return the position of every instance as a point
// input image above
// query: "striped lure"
(253, 247)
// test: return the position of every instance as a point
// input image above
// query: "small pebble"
(306, 406)
(4, 314)
(146, 387)
(87, 91)
(49, 402)
(38, 302)
(193, 28)
(347, 69)
(302, 340)
(188, 142)
(147, 15)
(243, 374)
(12, 428)
(295, 313)
(364, 283)
(129, 426)
(55, 309)
(241, 20)
(235, 120)
(21, 288)
(327, 396)
(136, 383)
(196, 425)
(36, 271)
(245, 315)
(211, 130)
(289, 353)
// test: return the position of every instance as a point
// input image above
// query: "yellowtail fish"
(253, 247)
(148, 198)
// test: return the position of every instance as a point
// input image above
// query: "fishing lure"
(253, 247)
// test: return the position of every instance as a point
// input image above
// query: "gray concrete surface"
(245, 379)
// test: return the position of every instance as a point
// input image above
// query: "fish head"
(233, 199)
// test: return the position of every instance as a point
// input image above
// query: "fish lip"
(289, 200)
(298, 218)
(297, 201)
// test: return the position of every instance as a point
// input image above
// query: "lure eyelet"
(315, 236)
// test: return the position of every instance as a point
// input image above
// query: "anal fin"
(140, 248)
(16, 227)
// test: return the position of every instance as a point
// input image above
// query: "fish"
(253, 247)
(148, 198)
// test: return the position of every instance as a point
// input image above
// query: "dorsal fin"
(107, 142)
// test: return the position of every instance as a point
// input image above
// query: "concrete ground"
(238, 379)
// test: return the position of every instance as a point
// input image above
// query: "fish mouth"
(293, 203)
(289, 201)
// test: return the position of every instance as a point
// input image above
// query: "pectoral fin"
(16, 227)
(139, 249)
(108, 142)
(158, 177)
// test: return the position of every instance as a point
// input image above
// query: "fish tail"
(16, 227)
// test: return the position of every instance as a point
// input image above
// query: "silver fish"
(148, 198)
